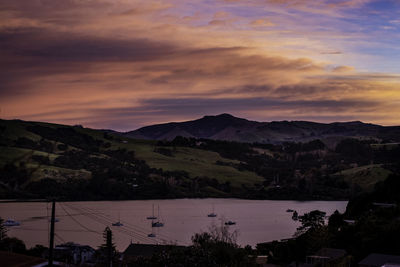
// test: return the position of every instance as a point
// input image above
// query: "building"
(135, 251)
(379, 260)
(74, 253)
(326, 257)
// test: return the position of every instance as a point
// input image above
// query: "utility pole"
(109, 247)
(53, 215)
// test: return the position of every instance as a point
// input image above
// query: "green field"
(365, 176)
(196, 162)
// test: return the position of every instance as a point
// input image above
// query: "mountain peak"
(222, 115)
(228, 127)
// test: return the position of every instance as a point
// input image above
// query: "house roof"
(375, 259)
(18, 260)
(70, 245)
(145, 250)
(332, 253)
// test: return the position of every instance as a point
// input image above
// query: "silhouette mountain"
(230, 128)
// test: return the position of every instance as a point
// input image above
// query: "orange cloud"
(122, 64)
(262, 23)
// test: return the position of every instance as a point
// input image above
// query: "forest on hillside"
(75, 163)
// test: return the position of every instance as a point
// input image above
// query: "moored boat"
(152, 217)
(212, 214)
(157, 223)
(10, 222)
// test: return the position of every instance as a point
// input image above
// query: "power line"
(127, 225)
(77, 222)
(60, 238)
(106, 221)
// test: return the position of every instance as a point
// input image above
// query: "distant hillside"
(230, 128)
(40, 160)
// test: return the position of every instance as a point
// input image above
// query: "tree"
(13, 244)
(3, 229)
(215, 235)
(107, 251)
(335, 221)
(311, 221)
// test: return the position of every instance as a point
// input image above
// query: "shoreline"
(153, 199)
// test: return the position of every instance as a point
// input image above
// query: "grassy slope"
(18, 155)
(365, 176)
(194, 161)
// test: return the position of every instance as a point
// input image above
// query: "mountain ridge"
(229, 128)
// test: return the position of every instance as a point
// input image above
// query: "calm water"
(83, 222)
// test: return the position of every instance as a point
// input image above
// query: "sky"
(124, 64)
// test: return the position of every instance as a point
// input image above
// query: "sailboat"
(118, 223)
(157, 223)
(152, 217)
(212, 214)
(152, 234)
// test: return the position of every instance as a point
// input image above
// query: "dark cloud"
(331, 53)
(32, 53)
(64, 46)
(256, 103)
(35, 52)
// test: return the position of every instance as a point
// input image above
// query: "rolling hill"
(230, 128)
(40, 160)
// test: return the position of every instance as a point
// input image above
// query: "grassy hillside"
(194, 161)
(26, 148)
(42, 159)
(365, 176)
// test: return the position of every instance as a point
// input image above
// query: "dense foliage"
(369, 225)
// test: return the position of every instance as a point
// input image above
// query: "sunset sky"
(123, 64)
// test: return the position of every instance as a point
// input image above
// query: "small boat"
(289, 210)
(212, 214)
(230, 223)
(10, 222)
(152, 217)
(152, 234)
(157, 223)
(118, 223)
